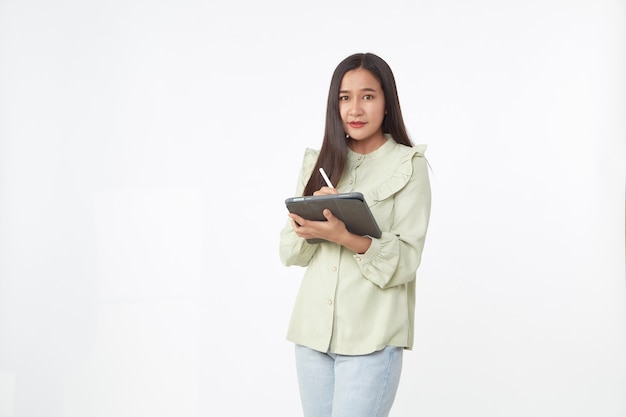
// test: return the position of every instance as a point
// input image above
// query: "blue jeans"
(334, 385)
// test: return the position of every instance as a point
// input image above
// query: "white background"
(129, 287)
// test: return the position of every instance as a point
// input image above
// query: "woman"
(354, 313)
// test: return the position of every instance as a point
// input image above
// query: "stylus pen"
(330, 184)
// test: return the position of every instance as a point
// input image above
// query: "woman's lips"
(356, 124)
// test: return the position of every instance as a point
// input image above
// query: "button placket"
(352, 177)
(330, 301)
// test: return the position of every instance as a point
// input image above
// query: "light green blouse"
(355, 304)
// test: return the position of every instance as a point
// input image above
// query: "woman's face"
(362, 110)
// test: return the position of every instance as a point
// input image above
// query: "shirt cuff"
(365, 258)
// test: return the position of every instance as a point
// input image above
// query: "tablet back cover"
(351, 208)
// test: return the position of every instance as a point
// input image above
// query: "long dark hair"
(333, 153)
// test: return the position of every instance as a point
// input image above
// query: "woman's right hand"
(326, 191)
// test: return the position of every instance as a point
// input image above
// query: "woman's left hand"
(332, 229)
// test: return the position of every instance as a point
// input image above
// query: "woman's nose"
(355, 108)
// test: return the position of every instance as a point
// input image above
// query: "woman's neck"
(366, 146)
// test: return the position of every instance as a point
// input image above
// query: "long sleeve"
(394, 258)
(294, 250)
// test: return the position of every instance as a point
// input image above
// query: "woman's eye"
(343, 98)
(368, 97)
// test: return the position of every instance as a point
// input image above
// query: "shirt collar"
(384, 149)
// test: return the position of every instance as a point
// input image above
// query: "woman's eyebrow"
(362, 89)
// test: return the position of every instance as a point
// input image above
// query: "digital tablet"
(351, 208)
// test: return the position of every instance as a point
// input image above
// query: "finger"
(326, 191)
(297, 219)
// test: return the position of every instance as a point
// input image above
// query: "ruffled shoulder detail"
(400, 177)
(310, 158)
(308, 162)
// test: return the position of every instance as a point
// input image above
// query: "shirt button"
(359, 158)
(334, 268)
(330, 302)
(358, 259)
